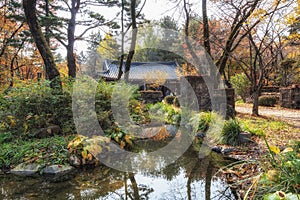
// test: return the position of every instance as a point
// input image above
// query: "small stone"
(172, 130)
(217, 149)
(200, 135)
(227, 150)
(244, 138)
(74, 161)
(26, 169)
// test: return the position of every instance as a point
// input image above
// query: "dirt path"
(289, 115)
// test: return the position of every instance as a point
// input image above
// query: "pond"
(187, 178)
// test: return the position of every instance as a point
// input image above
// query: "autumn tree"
(18, 58)
(262, 52)
(109, 47)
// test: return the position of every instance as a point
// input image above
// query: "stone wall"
(202, 92)
(150, 96)
(195, 85)
(290, 97)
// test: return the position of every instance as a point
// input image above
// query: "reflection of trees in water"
(187, 175)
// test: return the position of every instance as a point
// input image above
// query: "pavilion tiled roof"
(140, 70)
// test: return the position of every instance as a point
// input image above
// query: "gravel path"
(290, 115)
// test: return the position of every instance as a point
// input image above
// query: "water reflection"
(187, 178)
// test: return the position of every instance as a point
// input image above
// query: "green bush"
(230, 132)
(267, 100)
(164, 113)
(205, 119)
(240, 83)
(29, 107)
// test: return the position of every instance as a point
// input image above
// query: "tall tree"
(74, 8)
(133, 40)
(31, 17)
(262, 52)
(89, 20)
(205, 27)
(126, 24)
(242, 11)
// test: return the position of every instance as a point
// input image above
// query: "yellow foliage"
(12, 120)
(122, 144)
(128, 139)
(272, 175)
(188, 70)
(162, 134)
(275, 149)
(289, 149)
(157, 76)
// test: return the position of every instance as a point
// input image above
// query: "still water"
(187, 178)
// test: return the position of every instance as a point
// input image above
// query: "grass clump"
(280, 175)
(230, 132)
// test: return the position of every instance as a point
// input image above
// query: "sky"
(153, 10)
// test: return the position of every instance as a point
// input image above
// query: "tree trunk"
(205, 28)
(120, 73)
(208, 178)
(71, 39)
(51, 72)
(195, 58)
(133, 40)
(47, 28)
(134, 186)
(255, 102)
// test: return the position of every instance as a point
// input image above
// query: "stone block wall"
(150, 96)
(199, 86)
(195, 86)
(290, 97)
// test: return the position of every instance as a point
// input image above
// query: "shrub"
(267, 100)
(31, 106)
(230, 132)
(164, 113)
(240, 83)
(169, 100)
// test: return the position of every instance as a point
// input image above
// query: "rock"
(26, 169)
(244, 138)
(200, 135)
(58, 173)
(227, 150)
(48, 132)
(172, 130)
(74, 161)
(217, 149)
(57, 170)
(223, 149)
